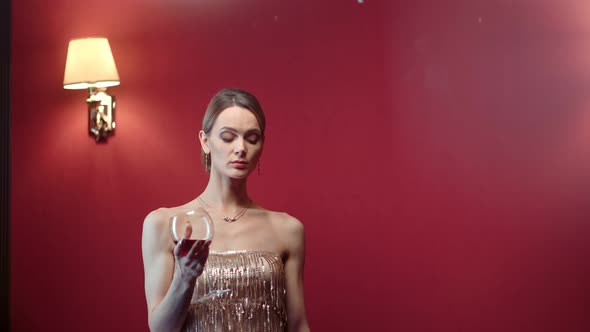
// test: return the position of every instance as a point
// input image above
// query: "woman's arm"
(294, 238)
(168, 290)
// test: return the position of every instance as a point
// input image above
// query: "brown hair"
(227, 98)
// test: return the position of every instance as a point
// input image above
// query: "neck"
(226, 194)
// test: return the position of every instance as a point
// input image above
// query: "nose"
(240, 148)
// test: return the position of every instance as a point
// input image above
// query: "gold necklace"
(225, 218)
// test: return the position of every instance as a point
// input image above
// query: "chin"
(239, 174)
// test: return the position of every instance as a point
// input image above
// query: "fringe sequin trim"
(256, 301)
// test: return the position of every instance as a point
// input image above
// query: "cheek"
(218, 148)
(257, 151)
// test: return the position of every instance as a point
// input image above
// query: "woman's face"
(234, 142)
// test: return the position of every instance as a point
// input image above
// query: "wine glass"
(201, 228)
(198, 223)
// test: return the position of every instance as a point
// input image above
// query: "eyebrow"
(236, 131)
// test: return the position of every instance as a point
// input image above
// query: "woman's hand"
(190, 256)
(170, 271)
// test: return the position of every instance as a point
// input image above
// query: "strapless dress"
(256, 296)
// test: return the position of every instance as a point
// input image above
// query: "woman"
(256, 253)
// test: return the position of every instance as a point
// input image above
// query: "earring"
(206, 162)
(259, 166)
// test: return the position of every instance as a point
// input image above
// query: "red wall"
(437, 153)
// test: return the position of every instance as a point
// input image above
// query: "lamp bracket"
(101, 113)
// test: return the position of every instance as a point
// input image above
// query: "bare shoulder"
(156, 220)
(155, 217)
(289, 230)
(155, 235)
(287, 223)
(159, 217)
(282, 222)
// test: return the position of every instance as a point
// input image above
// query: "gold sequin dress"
(255, 302)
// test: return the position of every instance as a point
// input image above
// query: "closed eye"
(252, 136)
(253, 139)
(227, 137)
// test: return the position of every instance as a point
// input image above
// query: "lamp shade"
(90, 63)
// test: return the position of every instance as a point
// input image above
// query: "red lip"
(239, 162)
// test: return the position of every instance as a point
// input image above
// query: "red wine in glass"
(186, 245)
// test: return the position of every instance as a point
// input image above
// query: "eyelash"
(227, 140)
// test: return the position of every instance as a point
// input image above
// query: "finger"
(202, 255)
(205, 246)
(195, 248)
(182, 247)
(177, 250)
(199, 270)
(188, 230)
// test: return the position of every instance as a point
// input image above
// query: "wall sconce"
(90, 65)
